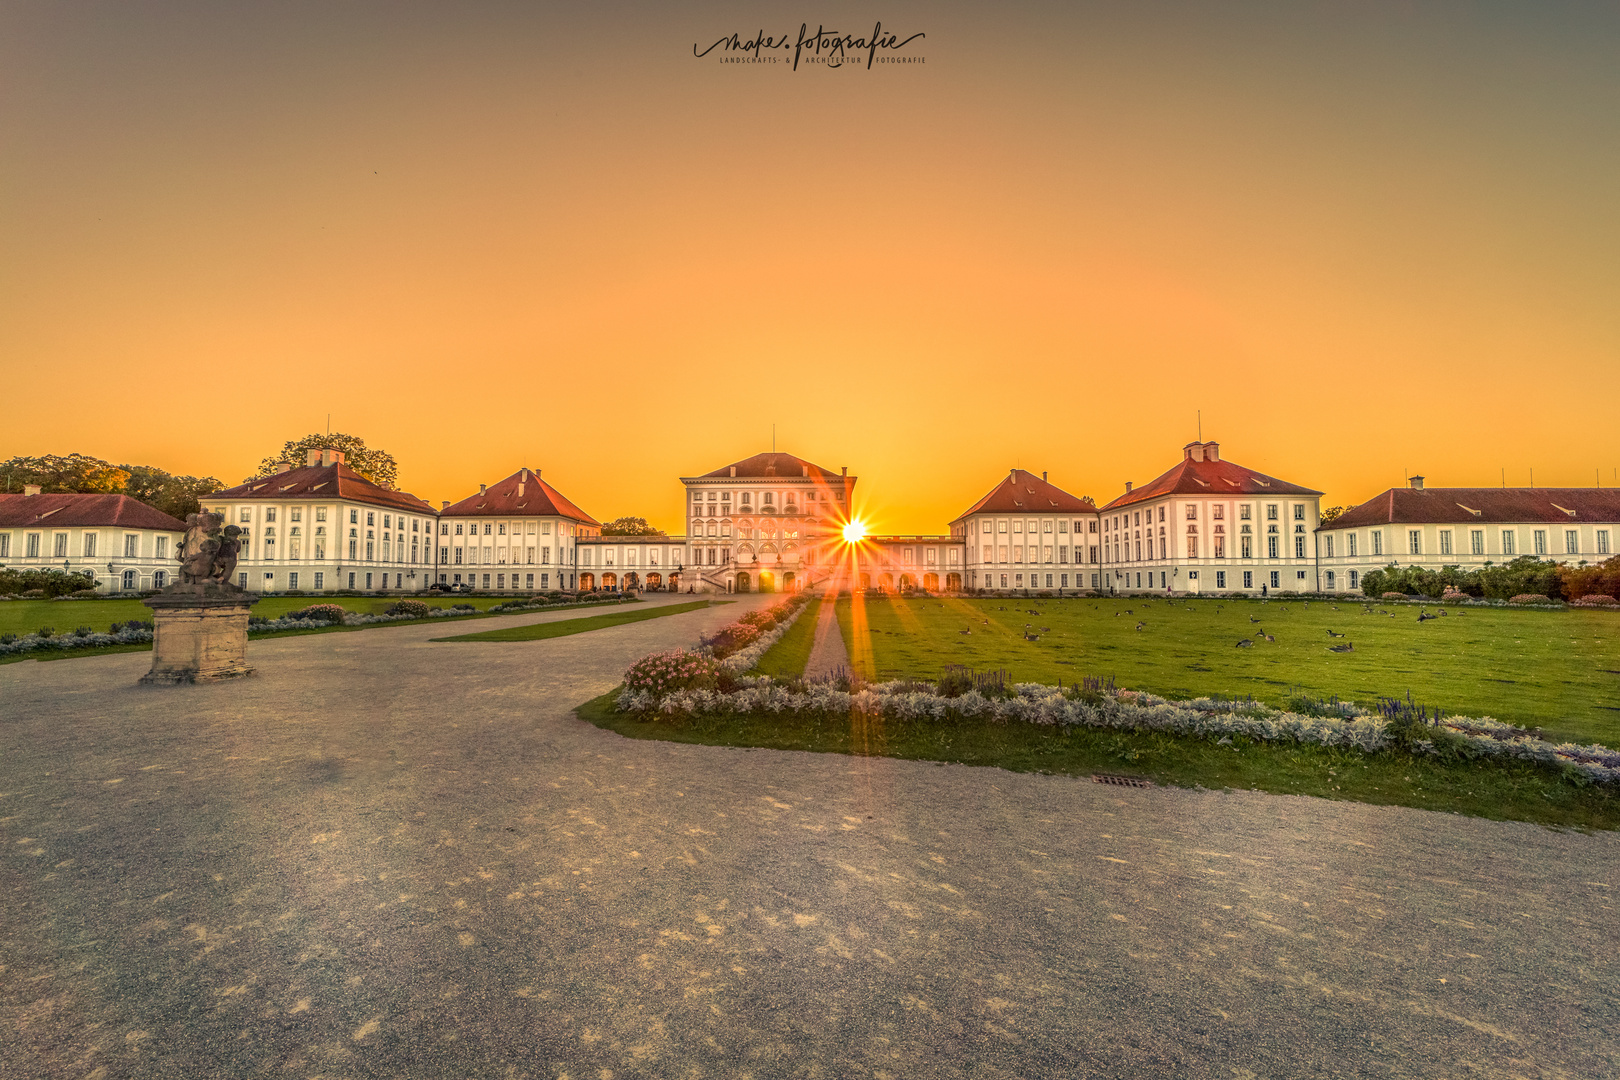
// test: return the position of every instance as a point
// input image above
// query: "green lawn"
(565, 627)
(786, 659)
(1559, 670)
(1499, 790)
(26, 616)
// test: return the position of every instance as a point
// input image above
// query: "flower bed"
(1531, 598)
(1602, 600)
(1346, 724)
(740, 645)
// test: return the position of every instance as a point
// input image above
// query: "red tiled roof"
(1025, 493)
(777, 465)
(335, 481)
(523, 494)
(1206, 477)
(1399, 506)
(83, 511)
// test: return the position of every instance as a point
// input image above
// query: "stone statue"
(208, 552)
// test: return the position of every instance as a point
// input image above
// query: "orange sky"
(1363, 241)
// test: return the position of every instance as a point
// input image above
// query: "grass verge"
(565, 627)
(100, 650)
(786, 659)
(1499, 791)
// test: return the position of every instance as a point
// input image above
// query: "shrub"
(83, 631)
(414, 608)
(1596, 600)
(1597, 579)
(1530, 598)
(1393, 596)
(327, 612)
(462, 607)
(7, 639)
(46, 631)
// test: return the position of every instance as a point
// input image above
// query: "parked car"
(455, 587)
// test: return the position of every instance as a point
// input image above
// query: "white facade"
(1214, 527)
(322, 527)
(931, 563)
(1029, 534)
(1467, 528)
(519, 534)
(632, 562)
(119, 544)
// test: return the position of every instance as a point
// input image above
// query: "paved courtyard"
(386, 857)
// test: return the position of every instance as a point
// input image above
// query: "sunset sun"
(854, 532)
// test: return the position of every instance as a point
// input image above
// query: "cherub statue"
(198, 548)
(208, 553)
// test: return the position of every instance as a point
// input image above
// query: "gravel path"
(827, 653)
(382, 857)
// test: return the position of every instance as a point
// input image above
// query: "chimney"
(734, 470)
(520, 489)
(1043, 474)
(480, 489)
(846, 470)
(331, 457)
(805, 469)
(1127, 487)
(444, 504)
(1212, 451)
(1416, 483)
(1194, 451)
(283, 466)
(523, 474)
(312, 457)
(30, 489)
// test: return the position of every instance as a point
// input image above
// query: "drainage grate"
(1121, 781)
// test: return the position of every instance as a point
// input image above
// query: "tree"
(1330, 515)
(378, 466)
(1603, 577)
(630, 526)
(55, 473)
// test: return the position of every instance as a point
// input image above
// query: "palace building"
(322, 526)
(766, 522)
(1210, 525)
(519, 534)
(118, 543)
(1028, 533)
(1467, 527)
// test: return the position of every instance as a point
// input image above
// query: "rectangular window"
(1220, 579)
(1275, 578)
(1299, 511)
(371, 519)
(351, 578)
(1507, 541)
(354, 519)
(1299, 547)
(352, 544)
(61, 545)
(1572, 542)
(241, 580)
(1271, 511)
(320, 580)
(5, 545)
(1602, 541)
(292, 580)
(1378, 541)
(89, 545)
(1248, 579)
(1330, 583)
(486, 581)
(1445, 541)
(368, 581)
(1476, 541)
(1271, 547)
(1327, 546)
(320, 514)
(1248, 547)
(1355, 579)
(1414, 541)
(1350, 545)
(1540, 539)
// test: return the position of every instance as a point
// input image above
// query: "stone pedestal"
(199, 634)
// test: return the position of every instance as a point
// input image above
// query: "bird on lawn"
(1253, 619)
(1032, 637)
(1335, 607)
(1046, 629)
(1332, 633)
(964, 631)
(1244, 644)
(1269, 638)
(1443, 611)
(1424, 616)
(1346, 647)
(1140, 625)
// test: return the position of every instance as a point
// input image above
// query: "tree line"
(158, 488)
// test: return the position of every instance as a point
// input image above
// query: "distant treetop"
(378, 466)
(630, 526)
